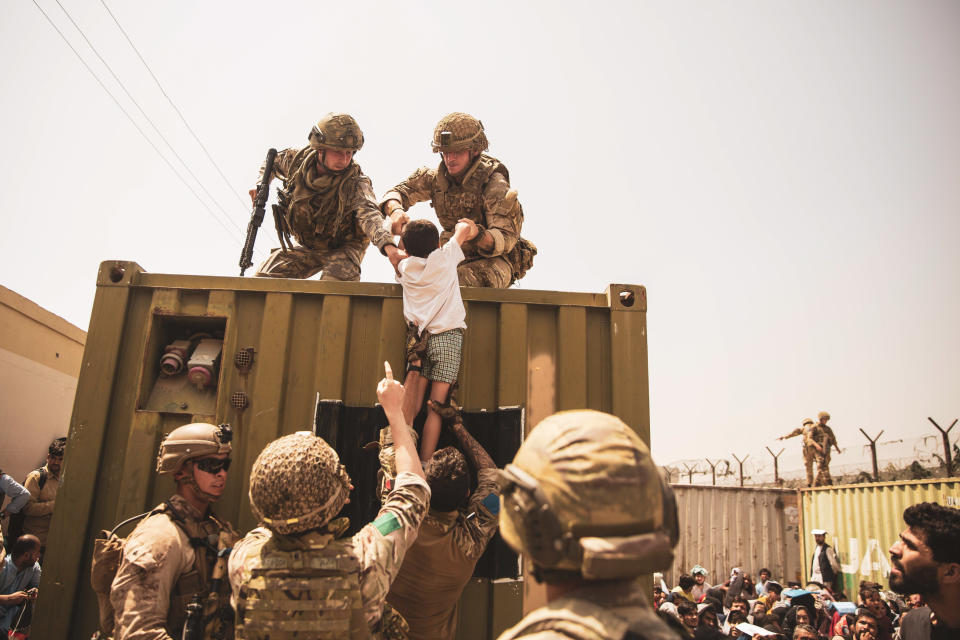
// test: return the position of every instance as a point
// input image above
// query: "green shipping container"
(275, 348)
(862, 522)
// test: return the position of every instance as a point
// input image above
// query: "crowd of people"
(922, 603)
(26, 524)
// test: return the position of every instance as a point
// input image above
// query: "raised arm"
(474, 451)
(390, 394)
(796, 432)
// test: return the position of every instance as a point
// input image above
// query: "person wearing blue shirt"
(19, 579)
(18, 494)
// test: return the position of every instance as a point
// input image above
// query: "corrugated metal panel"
(726, 527)
(864, 520)
(542, 350)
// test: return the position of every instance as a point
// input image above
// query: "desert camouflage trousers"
(823, 470)
(809, 456)
(342, 263)
(493, 272)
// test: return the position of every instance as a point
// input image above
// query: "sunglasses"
(213, 465)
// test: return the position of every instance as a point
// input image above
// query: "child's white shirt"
(431, 290)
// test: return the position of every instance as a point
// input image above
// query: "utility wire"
(146, 117)
(233, 189)
(134, 122)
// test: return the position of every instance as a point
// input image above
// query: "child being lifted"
(432, 302)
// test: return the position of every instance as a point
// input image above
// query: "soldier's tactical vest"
(311, 592)
(453, 201)
(218, 615)
(315, 214)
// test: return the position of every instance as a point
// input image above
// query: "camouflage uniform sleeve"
(498, 205)
(363, 203)
(474, 532)
(796, 432)
(419, 187)
(244, 557)
(154, 556)
(281, 166)
(382, 544)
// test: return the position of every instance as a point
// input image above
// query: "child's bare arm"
(466, 229)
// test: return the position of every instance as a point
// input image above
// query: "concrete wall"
(40, 356)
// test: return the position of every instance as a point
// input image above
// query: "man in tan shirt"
(452, 538)
(43, 484)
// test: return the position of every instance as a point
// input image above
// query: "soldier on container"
(810, 446)
(827, 440)
(294, 576)
(473, 185)
(327, 206)
(169, 557)
(584, 502)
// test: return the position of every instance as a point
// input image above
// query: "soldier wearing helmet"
(584, 502)
(171, 555)
(294, 576)
(326, 213)
(472, 186)
(826, 441)
(811, 446)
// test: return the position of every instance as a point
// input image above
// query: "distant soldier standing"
(810, 446)
(327, 205)
(584, 502)
(169, 557)
(468, 184)
(827, 440)
(295, 576)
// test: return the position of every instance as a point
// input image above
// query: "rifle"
(193, 626)
(259, 208)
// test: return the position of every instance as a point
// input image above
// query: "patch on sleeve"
(492, 503)
(386, 523)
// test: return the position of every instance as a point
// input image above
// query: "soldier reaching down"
(327, 205)
(469, 184)
(294, 576)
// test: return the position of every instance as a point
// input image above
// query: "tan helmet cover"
(336, 131)
(459, 132)
(605, 490)
(297, 484)
(822, 415)
(191, 441)
(807, 421)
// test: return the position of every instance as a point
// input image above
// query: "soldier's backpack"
(107, 552)
(15, 526)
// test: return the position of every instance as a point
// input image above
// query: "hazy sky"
(783, 177)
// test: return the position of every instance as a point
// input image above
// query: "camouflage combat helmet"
(822, 415)
(336, 131)
(297, 483)
(191, 441)
(459, 132)
(807, 421)
(584, 497)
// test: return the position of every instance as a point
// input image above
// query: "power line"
(233, 189)
(146, 117)
(132, 121)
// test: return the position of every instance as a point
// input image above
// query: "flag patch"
(386, 523)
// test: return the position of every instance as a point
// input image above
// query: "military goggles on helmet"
(213, 465)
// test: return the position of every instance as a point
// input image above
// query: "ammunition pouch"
(521, 258)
